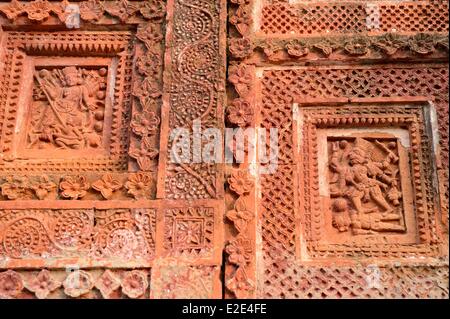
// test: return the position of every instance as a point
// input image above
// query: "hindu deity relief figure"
(365, 193)
(68, 108)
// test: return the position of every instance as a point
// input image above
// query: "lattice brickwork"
(357, 282)
(345, 18)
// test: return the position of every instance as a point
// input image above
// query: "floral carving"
(16, 187)
(144, 155)
(146, 89)
(134, 284)
(149, 34)
(149, 64)
(189, 232)
(123, 10)
(13, 9)
(240, 215)
(241, 48)
(38, 10)
(43, 187)
(91, 10)
(239, 251)
(297, 48)
(11, 284)
(357, 46)
(442, 41)
(107, 283)
(240, 182)
(241, 78)
(389, 43)
(241, 19)
(74, 187)
(422, 44)
(145, 123)
(43, 284)
(325, 46)
(360, 46)
(272, 50)
(238, 148)
(138, 185)
(240, 112)
(78, 283)
(240, 284)
(154, 9)
(107, 185)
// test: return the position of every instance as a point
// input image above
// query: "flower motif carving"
(389, 43)
(78, 283)
(154, 9)
(74, 187)
(189, 232)
(239, 251)
(16, 187)
(123, 10)
(149, 34)
(240, 112)
(107, 185)
(144, 155)
(139, 185)
(422, 44)
(240, 215)
(43, 284)
(241, 48)
(38, 10)
(145, 123)
(11, 284)
(357, 47)
(242, 79)
(241, 19)
(13, 10)
(107, 283)
(43, 187)
(91, 10)
(240, 182)
(297, 49)
(240, 284)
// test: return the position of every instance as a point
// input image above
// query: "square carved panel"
(66, 99)
(368, 180)
(192, 233)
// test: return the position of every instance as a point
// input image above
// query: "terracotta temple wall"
(93, 206)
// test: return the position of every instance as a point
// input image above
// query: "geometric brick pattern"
(348, 18)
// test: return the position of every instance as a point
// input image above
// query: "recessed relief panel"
(69, 111)
(367, 185)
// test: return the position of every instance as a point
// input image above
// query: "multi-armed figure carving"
(365, 190)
